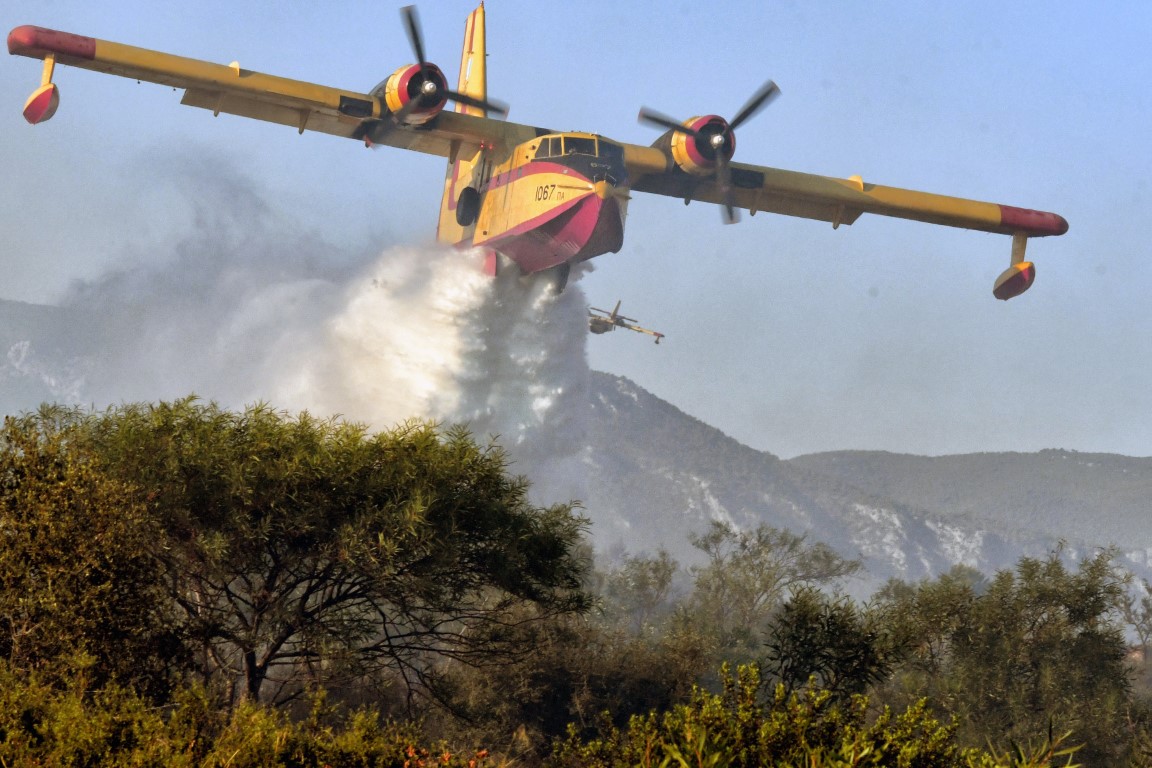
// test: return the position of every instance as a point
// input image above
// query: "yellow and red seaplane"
(540, 199)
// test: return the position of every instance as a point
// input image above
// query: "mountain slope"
(1102, 498)
(660, 473)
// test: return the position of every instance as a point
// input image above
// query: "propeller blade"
(365, 128)
(412, 24)
(759, 100)
(400, 115)
(371, 131)
(655, 118)
(724, 180)
(497, 107)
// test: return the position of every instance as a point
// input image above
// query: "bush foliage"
(185, 585)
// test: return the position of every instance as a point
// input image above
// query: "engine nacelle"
(696, 152)
(416, 95)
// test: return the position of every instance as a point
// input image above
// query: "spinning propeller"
(430, 88)
(425, 89)
(714, 139)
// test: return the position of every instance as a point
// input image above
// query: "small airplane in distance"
(607, 321)
(538, 198)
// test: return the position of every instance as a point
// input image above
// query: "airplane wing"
(648, 331)
(838, 201)
(234, 90)
(348, 113)
(656, 169)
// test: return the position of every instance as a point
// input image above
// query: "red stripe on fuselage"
(533, 223)
(560, 238)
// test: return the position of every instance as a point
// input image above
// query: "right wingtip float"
(538, 199)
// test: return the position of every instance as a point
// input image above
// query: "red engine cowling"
(695, 151)
(416, 95)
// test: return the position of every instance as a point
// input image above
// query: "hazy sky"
(786, 334)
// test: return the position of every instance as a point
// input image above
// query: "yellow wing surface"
(835, 200)
(366, 116)
(231, 89)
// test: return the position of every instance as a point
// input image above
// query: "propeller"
(717, 138)
(431, 90)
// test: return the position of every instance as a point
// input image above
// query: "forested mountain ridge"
(657, 473)
(1087, 496)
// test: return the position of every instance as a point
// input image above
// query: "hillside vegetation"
(185, 585)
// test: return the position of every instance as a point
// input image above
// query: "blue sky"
(786, 334)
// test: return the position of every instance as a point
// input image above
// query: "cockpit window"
(579, 146)
(549, 147)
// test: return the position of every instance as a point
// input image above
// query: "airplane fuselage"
(558, 199)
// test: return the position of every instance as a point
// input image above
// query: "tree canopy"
(298, 550)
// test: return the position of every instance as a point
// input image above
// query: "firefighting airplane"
(603, 321)
(540, 199)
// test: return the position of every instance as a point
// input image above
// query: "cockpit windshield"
(558, 146)
(574, 145)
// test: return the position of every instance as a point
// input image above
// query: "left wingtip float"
(42, 104)
(49, 45)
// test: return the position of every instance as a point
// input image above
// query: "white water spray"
(424, 333)
(417, 333)
(245, 306)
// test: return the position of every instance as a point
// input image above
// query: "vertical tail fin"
(473, 64)
(456, 226)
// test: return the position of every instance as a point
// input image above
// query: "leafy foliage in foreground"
(42, 725)
(739, 729)
(265, 556)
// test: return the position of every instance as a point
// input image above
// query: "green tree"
(80, 587)
(749, 574)
(582, 672)
(830, 641)
(1138, 614)
(1045, 644)
(924, 618)
(303, 551)
(1038, 647)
